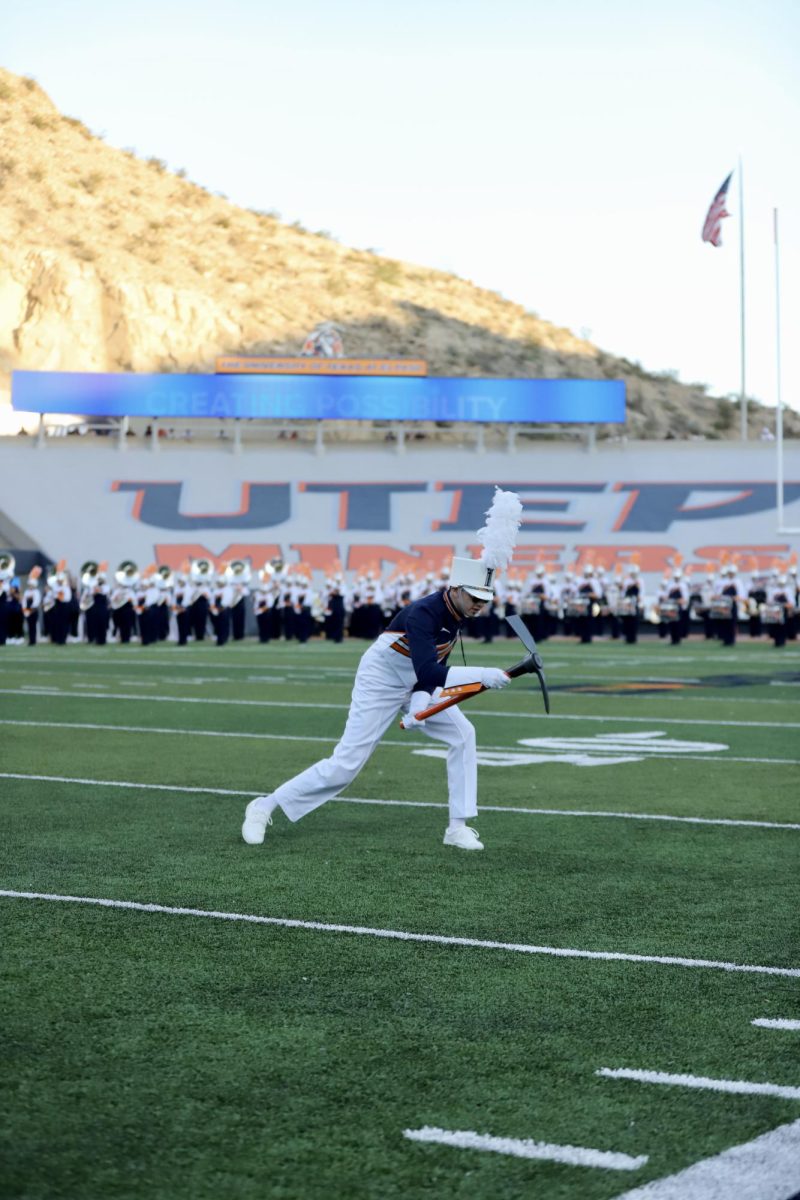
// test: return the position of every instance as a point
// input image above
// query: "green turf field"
(160, 1055)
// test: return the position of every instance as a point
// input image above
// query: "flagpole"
(742, 392)
(778, 396)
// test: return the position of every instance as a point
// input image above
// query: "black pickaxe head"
(532, 664)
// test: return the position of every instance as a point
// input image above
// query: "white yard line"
(404, 936)
(763, 1169)
(546, 812)
(776, 1023)
(475, 712)
(596, 749)
(571, 1156)
(738, 1086)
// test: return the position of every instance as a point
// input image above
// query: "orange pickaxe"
(530, 665)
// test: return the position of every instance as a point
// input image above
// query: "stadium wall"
(649, 502)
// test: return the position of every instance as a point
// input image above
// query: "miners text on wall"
(652, 504)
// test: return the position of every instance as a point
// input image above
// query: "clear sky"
(562, 154)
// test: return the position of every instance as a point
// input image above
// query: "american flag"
(712, 229)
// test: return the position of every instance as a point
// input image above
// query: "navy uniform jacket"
(428, 628)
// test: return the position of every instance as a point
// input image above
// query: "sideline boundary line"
(546, 812)
(405, 936)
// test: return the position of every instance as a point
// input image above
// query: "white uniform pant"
(383, 686)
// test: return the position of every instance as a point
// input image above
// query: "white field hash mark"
(534, 812)
(572, 1156)
(404, 936)
(776, 1023)
(703, 1083)
(763, 1169)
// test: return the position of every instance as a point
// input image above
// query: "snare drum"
(627, 607)
(551, 607)
(579, 607)
(773, 614)
(722, 608)
(534, 605)
(669, 610)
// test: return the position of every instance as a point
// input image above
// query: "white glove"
(493, 677)
(418, 703)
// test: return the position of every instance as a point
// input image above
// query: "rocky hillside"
(109, 262)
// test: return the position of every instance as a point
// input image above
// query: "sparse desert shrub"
(80, 250)
(79, 125)
(157, 164)
(40, 122)
(29, 83)
(336, 285)
(92, 181)
(223, 222)
(5, 90)
(387, 271)
(36, 174)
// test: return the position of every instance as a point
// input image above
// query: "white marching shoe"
(463, 837)
(255, 823)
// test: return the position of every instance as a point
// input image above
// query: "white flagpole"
(742, 392)
(779, 399)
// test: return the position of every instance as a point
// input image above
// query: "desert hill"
(110, 262)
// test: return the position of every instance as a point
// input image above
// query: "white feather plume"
(499, 535)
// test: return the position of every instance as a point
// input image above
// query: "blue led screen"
(288, 397)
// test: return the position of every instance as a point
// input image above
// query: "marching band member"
(94, 602)
(201, 573)
(400, 670)
(756, 598)
(181, 603)
(61, 614)
(31, 603)
(728, 595)
(123, 600)
(587, 592)
(779, 609)
(540, 591)
(334, 609)
(630, 604)
(148, 606)
(302, 599)
(7, 566)
(221, 601)
(239, 576)
(674, 606)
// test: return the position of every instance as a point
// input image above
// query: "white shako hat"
(474, 576)
(498, 538)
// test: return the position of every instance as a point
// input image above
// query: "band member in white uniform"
(31, 603)
(402, 669)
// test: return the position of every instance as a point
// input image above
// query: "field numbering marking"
(775, 1023)
(573, 1156)
(438, 939)
(739, 1086)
